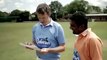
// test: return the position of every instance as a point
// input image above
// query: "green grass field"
(11, 34)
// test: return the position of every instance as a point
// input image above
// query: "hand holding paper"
(30, 46)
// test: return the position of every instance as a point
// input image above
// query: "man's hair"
(43, 8)
(79, 18)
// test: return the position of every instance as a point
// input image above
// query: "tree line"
(58, 11)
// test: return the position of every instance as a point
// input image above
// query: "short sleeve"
(33, 33)
(61, 37)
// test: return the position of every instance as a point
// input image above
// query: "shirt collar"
(50, 24)
(84, 33)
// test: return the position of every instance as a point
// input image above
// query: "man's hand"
(44, 50)
(30, 46)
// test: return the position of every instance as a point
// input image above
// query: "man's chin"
(75, 33)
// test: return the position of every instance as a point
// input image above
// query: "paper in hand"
(25, 45)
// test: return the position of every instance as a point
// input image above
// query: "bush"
(8, 18)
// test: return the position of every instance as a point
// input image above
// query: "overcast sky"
(30, 5)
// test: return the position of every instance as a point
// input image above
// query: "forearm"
(58, 49)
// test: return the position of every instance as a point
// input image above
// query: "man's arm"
(58, 49)
(30, 46)
(95, 49)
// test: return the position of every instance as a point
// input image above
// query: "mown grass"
(11, 34)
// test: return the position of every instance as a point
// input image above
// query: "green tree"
(14, 15)
(105, 10)
(24, 16)
(33, 17)
(20, 16)
(93, 9)
(56, 8)
(66, 8)
(4, 17)
(81, 5)
(3, 14)
(77, 5)
(15, 12)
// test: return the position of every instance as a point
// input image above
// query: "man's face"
(74, 27)
(43, 17)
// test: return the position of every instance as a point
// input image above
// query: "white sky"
(30, 5)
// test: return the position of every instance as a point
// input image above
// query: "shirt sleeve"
(95, 49)
(33, 33)
(61, 37)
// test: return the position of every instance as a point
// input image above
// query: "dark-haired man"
(88, 45)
